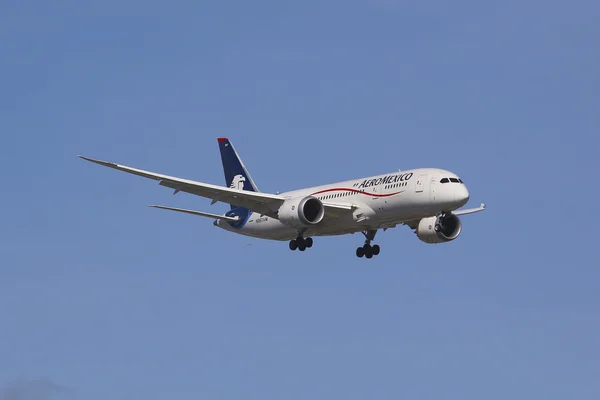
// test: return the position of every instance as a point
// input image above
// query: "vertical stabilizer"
(236, 174)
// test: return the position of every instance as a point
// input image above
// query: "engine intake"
(439, 229)
(301, 212)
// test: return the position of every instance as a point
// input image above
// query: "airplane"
(428, 200)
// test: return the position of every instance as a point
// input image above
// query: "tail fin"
(236, 174)
(237, 177)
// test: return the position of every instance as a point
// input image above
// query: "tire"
(376, 250)
(309, 242)
(293, 245)
(360, 252)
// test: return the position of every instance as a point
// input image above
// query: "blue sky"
(110, 299)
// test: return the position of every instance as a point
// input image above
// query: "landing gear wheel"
(376, 250)
(367, 250)
(360, 252)
(301, 243)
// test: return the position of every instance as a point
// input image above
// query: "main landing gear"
(301, 243)
(367, 250)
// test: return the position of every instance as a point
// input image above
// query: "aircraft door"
(420, 183)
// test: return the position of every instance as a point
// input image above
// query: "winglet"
(93, 160)
(105, 163)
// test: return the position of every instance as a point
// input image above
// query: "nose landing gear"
(367, 250)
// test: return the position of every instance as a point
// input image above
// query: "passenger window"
(444, 180)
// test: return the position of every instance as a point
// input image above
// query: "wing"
(469, 210)
(198, 213)
(337, 210)
(263, 203)
(415, 222)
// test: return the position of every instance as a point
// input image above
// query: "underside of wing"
(413, 224)
(198, 213)
(469, 210)
(263, 203)
(336, 210)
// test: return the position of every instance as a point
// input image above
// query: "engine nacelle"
(301, 212)
(448, 229)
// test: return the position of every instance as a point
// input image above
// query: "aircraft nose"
(462, 195)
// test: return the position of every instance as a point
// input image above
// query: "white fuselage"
(382, 201)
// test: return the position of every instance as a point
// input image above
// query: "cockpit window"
(448, 180)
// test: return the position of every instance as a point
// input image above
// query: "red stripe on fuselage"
(355, 191)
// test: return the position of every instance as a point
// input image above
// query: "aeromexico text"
(386, 180)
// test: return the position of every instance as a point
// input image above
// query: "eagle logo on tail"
(238, 182)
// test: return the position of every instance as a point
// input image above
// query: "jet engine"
(440, 229)
(301, 212)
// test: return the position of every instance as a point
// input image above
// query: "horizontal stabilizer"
(199, 213)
